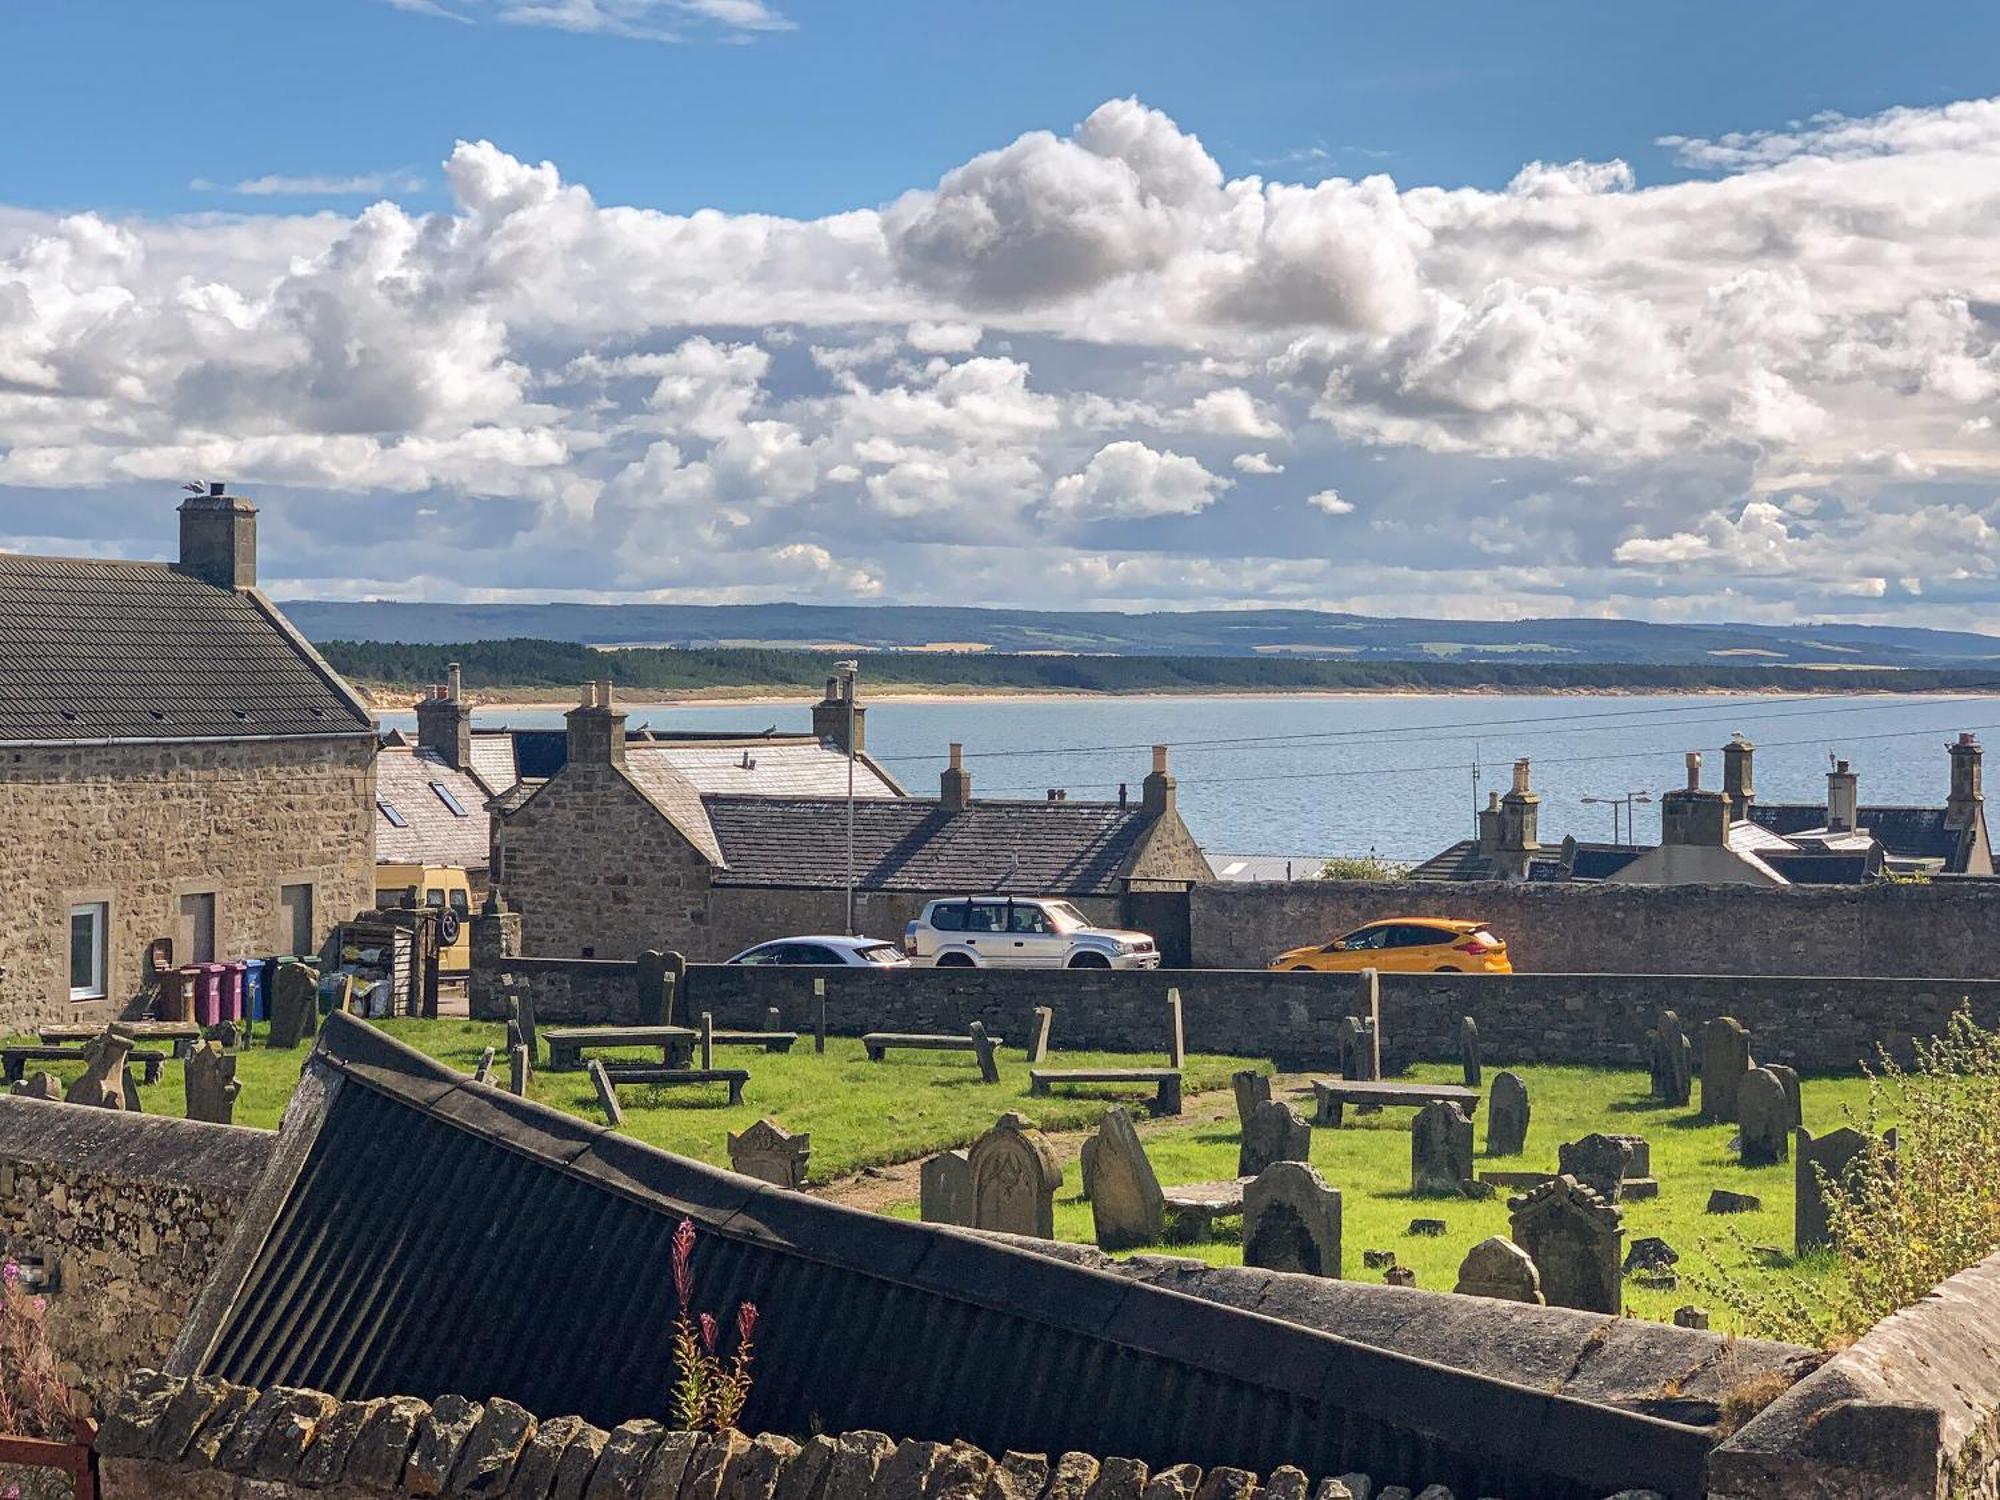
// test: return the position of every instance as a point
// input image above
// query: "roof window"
(444, 795)
(388, 810)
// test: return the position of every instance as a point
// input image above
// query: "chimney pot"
(1694, 770)
(955, 785)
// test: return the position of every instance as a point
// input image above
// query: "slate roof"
(1906, 832)
(99, 650)
(432, 833)
(913, 844)
(675, 797)
(1459, 861)
(493, 760)
(370, 1262)
(794, 767)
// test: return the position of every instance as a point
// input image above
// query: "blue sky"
(1684, 312)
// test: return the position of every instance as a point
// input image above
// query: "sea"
(1393, 775)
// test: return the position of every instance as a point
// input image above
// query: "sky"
(1686, 312)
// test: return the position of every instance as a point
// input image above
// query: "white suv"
(1017, 932)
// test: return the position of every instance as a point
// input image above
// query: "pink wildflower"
(708, 1332)
(746, 1321)
(684, 1262)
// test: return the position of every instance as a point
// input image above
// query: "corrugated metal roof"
(105, 650)
(432, 834)
(423, 1234)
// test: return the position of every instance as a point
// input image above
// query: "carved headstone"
(770, 1153)
(607, 1093)
(1127, 1207)
(1014, 1179)
(1038, 1038)
(1355, 1044)
(1440, 1150)
(1822, 1163)
(1468, 1051)
(1764, 1116)
(1497, 1267)
(1291, 1221)
(1507, 1112)
(209, 1079)
(1600, 1162)
(1275, 1133)
(1725, 1058)
(945, 1188)
(1252, 1089)
(982, 1051)
(1573, 1237)
(1794, 1101)
(294, 1007)
(38, 1086)
(102, 1084)
(653, 988)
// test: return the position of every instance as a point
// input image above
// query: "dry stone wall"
(131, 1211)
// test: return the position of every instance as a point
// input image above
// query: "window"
(86, 950)
(948, 918)
(460, 902)
(1363, 939)
(986, 916)
(444, 795)
(388, 810)
(1028, 919)
(295, 918)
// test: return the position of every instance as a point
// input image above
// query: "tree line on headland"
(503, 665)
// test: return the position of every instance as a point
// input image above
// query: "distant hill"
(1268, 633)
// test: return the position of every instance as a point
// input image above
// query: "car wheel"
(953, 961)
(1090, 961)
(1447, 969)
(1301, 969)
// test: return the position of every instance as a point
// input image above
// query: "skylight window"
(388, 810)
(445, 796)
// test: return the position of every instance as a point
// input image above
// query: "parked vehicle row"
(1407, 945)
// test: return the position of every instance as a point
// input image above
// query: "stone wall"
(133, 1209)
(1937, 930)
(140, 826)
(742, 916)
(170, 1438)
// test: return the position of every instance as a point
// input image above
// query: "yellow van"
(439, 886)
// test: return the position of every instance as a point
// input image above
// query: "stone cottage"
(175, 762)
(622, 850)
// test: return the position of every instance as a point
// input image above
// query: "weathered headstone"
(1275, 1133)
(1355, 1046)
(1014, 1179)
(1794, 1101)
(1291, 1221)
(1690, 1316)
(1680, 1055)
(945, 1189)
(607, 1093)
(982, 1052)
(1764, 1116)
(1573, 1237)
(1252, 1089)
(1725, 1058)
(770, 1153)
(1657, 1066)
(1507, 1112)
(102, 1084)
(1038, 1038)
(1723, 1201)
(128, 1090)
(1086, 1161)
(774, 1019)
(519, 1070)
(1468, 1051)
(1821, 1163)
(1127, 1206)
(1497, 1267)
(1600, 1162)
(209, 1081)
(484, 1072)
(42, 1085)
(1176, 1033)
(676, 985)
(1400, 1276)
(294, 1007)
(521, 1010)
(1440, 1150)
(707, 1039)
(819, 1015)
(652, 988)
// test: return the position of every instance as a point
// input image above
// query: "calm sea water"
(1392, 774)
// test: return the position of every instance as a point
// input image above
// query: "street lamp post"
(847, 672)
(1614, 803)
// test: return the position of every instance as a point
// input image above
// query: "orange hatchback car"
(1407, 945)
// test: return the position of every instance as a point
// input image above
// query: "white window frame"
(100, 912)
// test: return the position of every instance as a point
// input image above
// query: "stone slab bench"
(1167, 1082)
(658, 1077)
(982, 1046)
(568, 1044)
(182, 1036)
(16, 1060)
(770, 1041)
(1330, 1095)
(1193, 1208)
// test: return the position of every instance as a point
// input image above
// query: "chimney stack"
(1843, 799)
(1489, 825)
(1688, 815)
(830, 717)
(955, 785)
(1738, 780)
(596, 729)
(219, 539)
(1520, 817)
(1961, 809)
(1159, 793)
(444, 721)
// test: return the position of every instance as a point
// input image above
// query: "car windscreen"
(880, 953)
(1066, 916)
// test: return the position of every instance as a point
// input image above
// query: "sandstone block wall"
(133, 1210)
(139, 826)
(1938, 930)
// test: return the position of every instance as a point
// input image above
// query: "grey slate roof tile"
(432, 833)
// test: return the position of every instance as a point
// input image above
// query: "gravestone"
(1794, 1101)
(1086, 1161)
(294, 1007)
(38, 1086)
(484, 1072)
(1275, 1133)
(1252, 1089)
(1497, 1267)
(519, 1070)
(1600, 1162)
(522, 1032)
(1690, 1316)
(1680, 1053)
(1291, 1221)
(653, 988)
(1400, 1276)
(1573, 1237)
(208, 1078)
(607, 1093)
(1821, 1162)
(1014, 1179)
(128, 1090)
(103, 1083)
(819, 1015)
(1440, 1150)
(1355, 1044)
(982, 1052)
(945, 1189)
(774, 1019)
(1038, 1037)
(1764, 1114)
(1725, 1058)
(1468, 1051)
(1127, 1206)
(706, 1041)
(1176, 1032)
(677, 983)
(770, 1153)
(1657, 1068)
(1507, 1113)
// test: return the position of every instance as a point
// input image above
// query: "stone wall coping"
(134, 1147)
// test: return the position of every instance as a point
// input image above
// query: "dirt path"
(879, 1189)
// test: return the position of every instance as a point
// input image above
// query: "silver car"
(854, 952)
(1021, 932)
